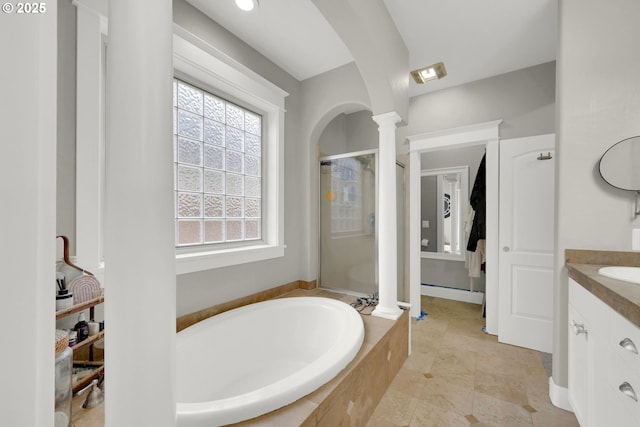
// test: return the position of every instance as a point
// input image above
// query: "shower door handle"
(506, 249)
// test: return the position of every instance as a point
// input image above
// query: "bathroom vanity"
(604, 340)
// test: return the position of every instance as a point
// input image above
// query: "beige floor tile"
(448, 396)
(503, 365)
(420, 361)
(554, 418)
(409, 382)
(499, 413)
(429, 414)
(504, 387)
(468, 377)
(396, 408)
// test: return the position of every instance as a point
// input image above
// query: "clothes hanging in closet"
(478, 201)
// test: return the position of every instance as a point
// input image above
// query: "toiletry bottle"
(82, 327)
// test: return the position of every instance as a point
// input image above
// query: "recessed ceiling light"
(247, 5)
(432, 72)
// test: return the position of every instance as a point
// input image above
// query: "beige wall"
(598, 104)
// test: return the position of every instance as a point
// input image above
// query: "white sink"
(628, 274)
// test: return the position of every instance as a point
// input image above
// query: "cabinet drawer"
(625, 341)
(624, 388)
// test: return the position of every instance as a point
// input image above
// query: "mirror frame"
(636, 191)
(464, 203)
(609, 150)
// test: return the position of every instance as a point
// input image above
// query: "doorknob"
(506, 249)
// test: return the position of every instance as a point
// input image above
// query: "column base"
(387, 312)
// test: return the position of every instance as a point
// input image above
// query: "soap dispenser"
(82, 328)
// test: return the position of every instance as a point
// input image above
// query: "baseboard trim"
(559, 396)
(452, 294)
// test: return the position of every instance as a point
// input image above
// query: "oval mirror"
(620, 164)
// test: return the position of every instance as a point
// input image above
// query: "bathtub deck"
(351, 397)
(348, 399)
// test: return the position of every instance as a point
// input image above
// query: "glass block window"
(217, 167)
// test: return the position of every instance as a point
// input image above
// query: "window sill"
(199, 261)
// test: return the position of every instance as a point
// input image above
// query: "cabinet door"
(579, 366)
(588, 355)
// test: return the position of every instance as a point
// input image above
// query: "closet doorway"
(519, 247)
(485, 135)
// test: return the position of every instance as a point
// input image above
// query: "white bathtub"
(252, 360)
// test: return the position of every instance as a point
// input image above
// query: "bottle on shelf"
(82, 328)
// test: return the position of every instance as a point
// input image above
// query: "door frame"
(476, 134)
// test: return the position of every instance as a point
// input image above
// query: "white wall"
(370, 34)
(333, 139)
(524, 100)
(598, 104)
(349, 132)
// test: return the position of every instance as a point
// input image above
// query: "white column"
(387, 218)
(28, 186)
(140, 295)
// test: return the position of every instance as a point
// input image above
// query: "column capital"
(387, 119)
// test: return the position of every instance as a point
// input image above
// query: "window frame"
(197, 61)
(194, 59)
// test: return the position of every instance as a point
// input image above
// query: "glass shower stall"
(348, 230)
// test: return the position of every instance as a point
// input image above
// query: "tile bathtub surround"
(351, 397)
(348, 399)
(187, 320)
(459, 376)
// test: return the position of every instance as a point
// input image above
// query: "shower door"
(347, 222)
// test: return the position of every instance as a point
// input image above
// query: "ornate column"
(387, 218)
(140, 297)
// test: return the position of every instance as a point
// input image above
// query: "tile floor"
(459, 376)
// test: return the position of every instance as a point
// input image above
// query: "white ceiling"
(475, 39)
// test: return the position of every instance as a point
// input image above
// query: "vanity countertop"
(623, 297)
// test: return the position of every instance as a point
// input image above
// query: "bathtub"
(252, 360)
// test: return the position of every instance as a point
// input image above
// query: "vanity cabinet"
(624, 376)
(604, 365)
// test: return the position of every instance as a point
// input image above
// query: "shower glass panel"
(347, 222)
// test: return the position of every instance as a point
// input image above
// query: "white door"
(525, 271)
